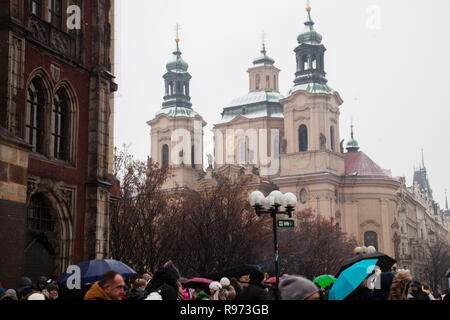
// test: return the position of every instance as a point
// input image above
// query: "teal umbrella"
(351, 278)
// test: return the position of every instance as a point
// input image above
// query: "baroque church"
(292, 143)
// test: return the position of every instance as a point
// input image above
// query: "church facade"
(292, 143)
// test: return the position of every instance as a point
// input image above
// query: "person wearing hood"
(25, 288)
(295, 287)
(417, 292)
(254, 290)
(383, 286)
(165, 282)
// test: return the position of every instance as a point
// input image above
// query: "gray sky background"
(389, 60)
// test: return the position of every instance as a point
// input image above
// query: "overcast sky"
(389, 60)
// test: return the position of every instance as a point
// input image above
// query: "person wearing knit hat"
(172, 270)
(214, 289)
(9, 295)
(294, 287)
(228, 292)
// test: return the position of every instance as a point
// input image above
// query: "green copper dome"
(178, 65)
(310, 36)
(352, 145)
(264, 59)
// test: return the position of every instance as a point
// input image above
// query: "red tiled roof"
(359, 164)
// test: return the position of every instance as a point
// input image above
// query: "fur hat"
(216, 286)
(170, 268)
(225, 282)
(296, 288)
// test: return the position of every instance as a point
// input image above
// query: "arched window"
(34, 127)
(258, 82)
(267, 82)
(371, 239)
(314, 62)
(275, 83)
(241, 150)
(305, 62)
(165, 155)
(302, 138)
(332, 138)
(171, 88)
(60, 124)
(193, 157)
(39, 215)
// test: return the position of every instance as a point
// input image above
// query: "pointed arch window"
(34, 125)
(303, 138)
(165, 155)
(241, 150)
(193, 157)
(59, 148)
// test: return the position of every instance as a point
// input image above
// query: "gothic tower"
(177, 130)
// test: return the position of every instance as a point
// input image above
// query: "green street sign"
(286, 223)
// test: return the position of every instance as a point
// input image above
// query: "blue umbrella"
(91, 271)
(351, 278)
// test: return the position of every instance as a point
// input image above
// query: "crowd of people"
(167, 284)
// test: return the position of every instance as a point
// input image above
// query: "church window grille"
(371, 239)
(39, 215)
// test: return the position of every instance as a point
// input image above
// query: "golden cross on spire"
(308, 5)
(177, 30)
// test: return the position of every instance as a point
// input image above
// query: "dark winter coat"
(419, 295)
(385, 287)
(254, 291)
(165, 283)
(359, 294)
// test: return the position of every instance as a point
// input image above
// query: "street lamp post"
(271, 205)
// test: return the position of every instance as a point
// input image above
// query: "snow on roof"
(255, 97)
(178, 112)
(312, 88)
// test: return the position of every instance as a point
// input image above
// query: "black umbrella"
(235, 272)
(385, 262)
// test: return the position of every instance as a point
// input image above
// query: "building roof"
(178, 112)
(360, 165)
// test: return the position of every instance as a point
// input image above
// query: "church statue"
(283, 146)
(323, 141)
(210, 160)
